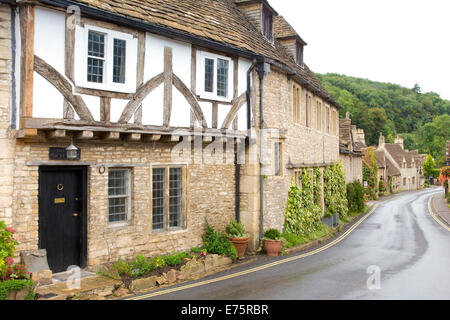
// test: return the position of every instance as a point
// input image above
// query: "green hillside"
(422, 118)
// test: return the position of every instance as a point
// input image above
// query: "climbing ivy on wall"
(302, 216)
(371, 175)
(317, 187)
(335, 191)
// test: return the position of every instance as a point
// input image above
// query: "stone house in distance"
(408, 163)
(124, 125)
(350, 152)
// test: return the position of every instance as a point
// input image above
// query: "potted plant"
(238, 236)
(272, 242)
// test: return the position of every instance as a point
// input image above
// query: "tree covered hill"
(422, 118)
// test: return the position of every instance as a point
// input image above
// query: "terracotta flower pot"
(240, 244)
(272, 247)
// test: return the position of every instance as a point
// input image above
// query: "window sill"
(213, 98)
(117, 225)
(177, 230)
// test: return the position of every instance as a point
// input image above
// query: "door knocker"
(60, 187)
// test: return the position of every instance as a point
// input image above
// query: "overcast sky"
(397, 41)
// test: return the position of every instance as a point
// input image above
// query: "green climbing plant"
(335, 191)
(317, 187)
(302, 216)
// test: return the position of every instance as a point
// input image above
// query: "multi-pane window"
(118, 195)
(105, 59)
(96, 57)
(334, 122)
(158, 197)
(215, 77)
(209, 75)
(297, 95)
(167, 198)
(267, 23)
(222, 77)
(120, 49)
(175, 196)
(327, 119)
(299, 53)
(277, 159)
(308, 111)
(319, 115)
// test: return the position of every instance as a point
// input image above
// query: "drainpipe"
(263, 69)
(13, 67)
(237, 165)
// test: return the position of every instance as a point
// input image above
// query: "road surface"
(398, 252)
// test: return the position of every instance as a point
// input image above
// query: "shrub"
(355, 197)
(291, 238)
(426, 184)
(7, 245)
(236, 230)
(10, 285)
(176, 258)
(217, 242)
(272, 234)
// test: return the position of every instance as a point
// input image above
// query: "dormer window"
(267, 23)
(299, 53)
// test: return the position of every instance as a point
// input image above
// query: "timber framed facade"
(175, 120)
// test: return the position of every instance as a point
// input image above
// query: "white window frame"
(128, 206)
(201, 57)
(81, 60)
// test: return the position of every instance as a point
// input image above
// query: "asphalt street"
(398, 252)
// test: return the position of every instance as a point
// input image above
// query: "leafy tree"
(391, 109)
(416, 88)
(428, 166)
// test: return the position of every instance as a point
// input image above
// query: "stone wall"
(210, 194)
(6, 135)
(301, 145)
(352, 167)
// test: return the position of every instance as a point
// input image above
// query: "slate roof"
(283, 30)
(220, 21)
(396, 151)
(392, 170)
(380, 158)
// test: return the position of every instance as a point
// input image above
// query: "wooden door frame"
(84, 192)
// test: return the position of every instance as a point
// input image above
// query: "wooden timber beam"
(26, 16)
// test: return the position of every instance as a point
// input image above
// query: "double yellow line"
(430, 205)
(266, 266)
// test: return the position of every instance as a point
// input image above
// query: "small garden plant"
(217, 242)
(272, 234)
(13, 277)
(236, 230)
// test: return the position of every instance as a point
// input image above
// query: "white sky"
(397, 41)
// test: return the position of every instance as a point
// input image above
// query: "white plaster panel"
(48, 102)
(152, 107)
(49, 37)
(222, 112)
(154, 58)
(117, 108)
(207, 112)
(181, 110)
(244, 65)
(242, 117)
(93, 104)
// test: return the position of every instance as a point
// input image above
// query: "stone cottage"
(350, 152)
(123, 125)
(409, 163)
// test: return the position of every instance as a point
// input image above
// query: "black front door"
(62, 207)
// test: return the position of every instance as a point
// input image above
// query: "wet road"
(400, 239)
